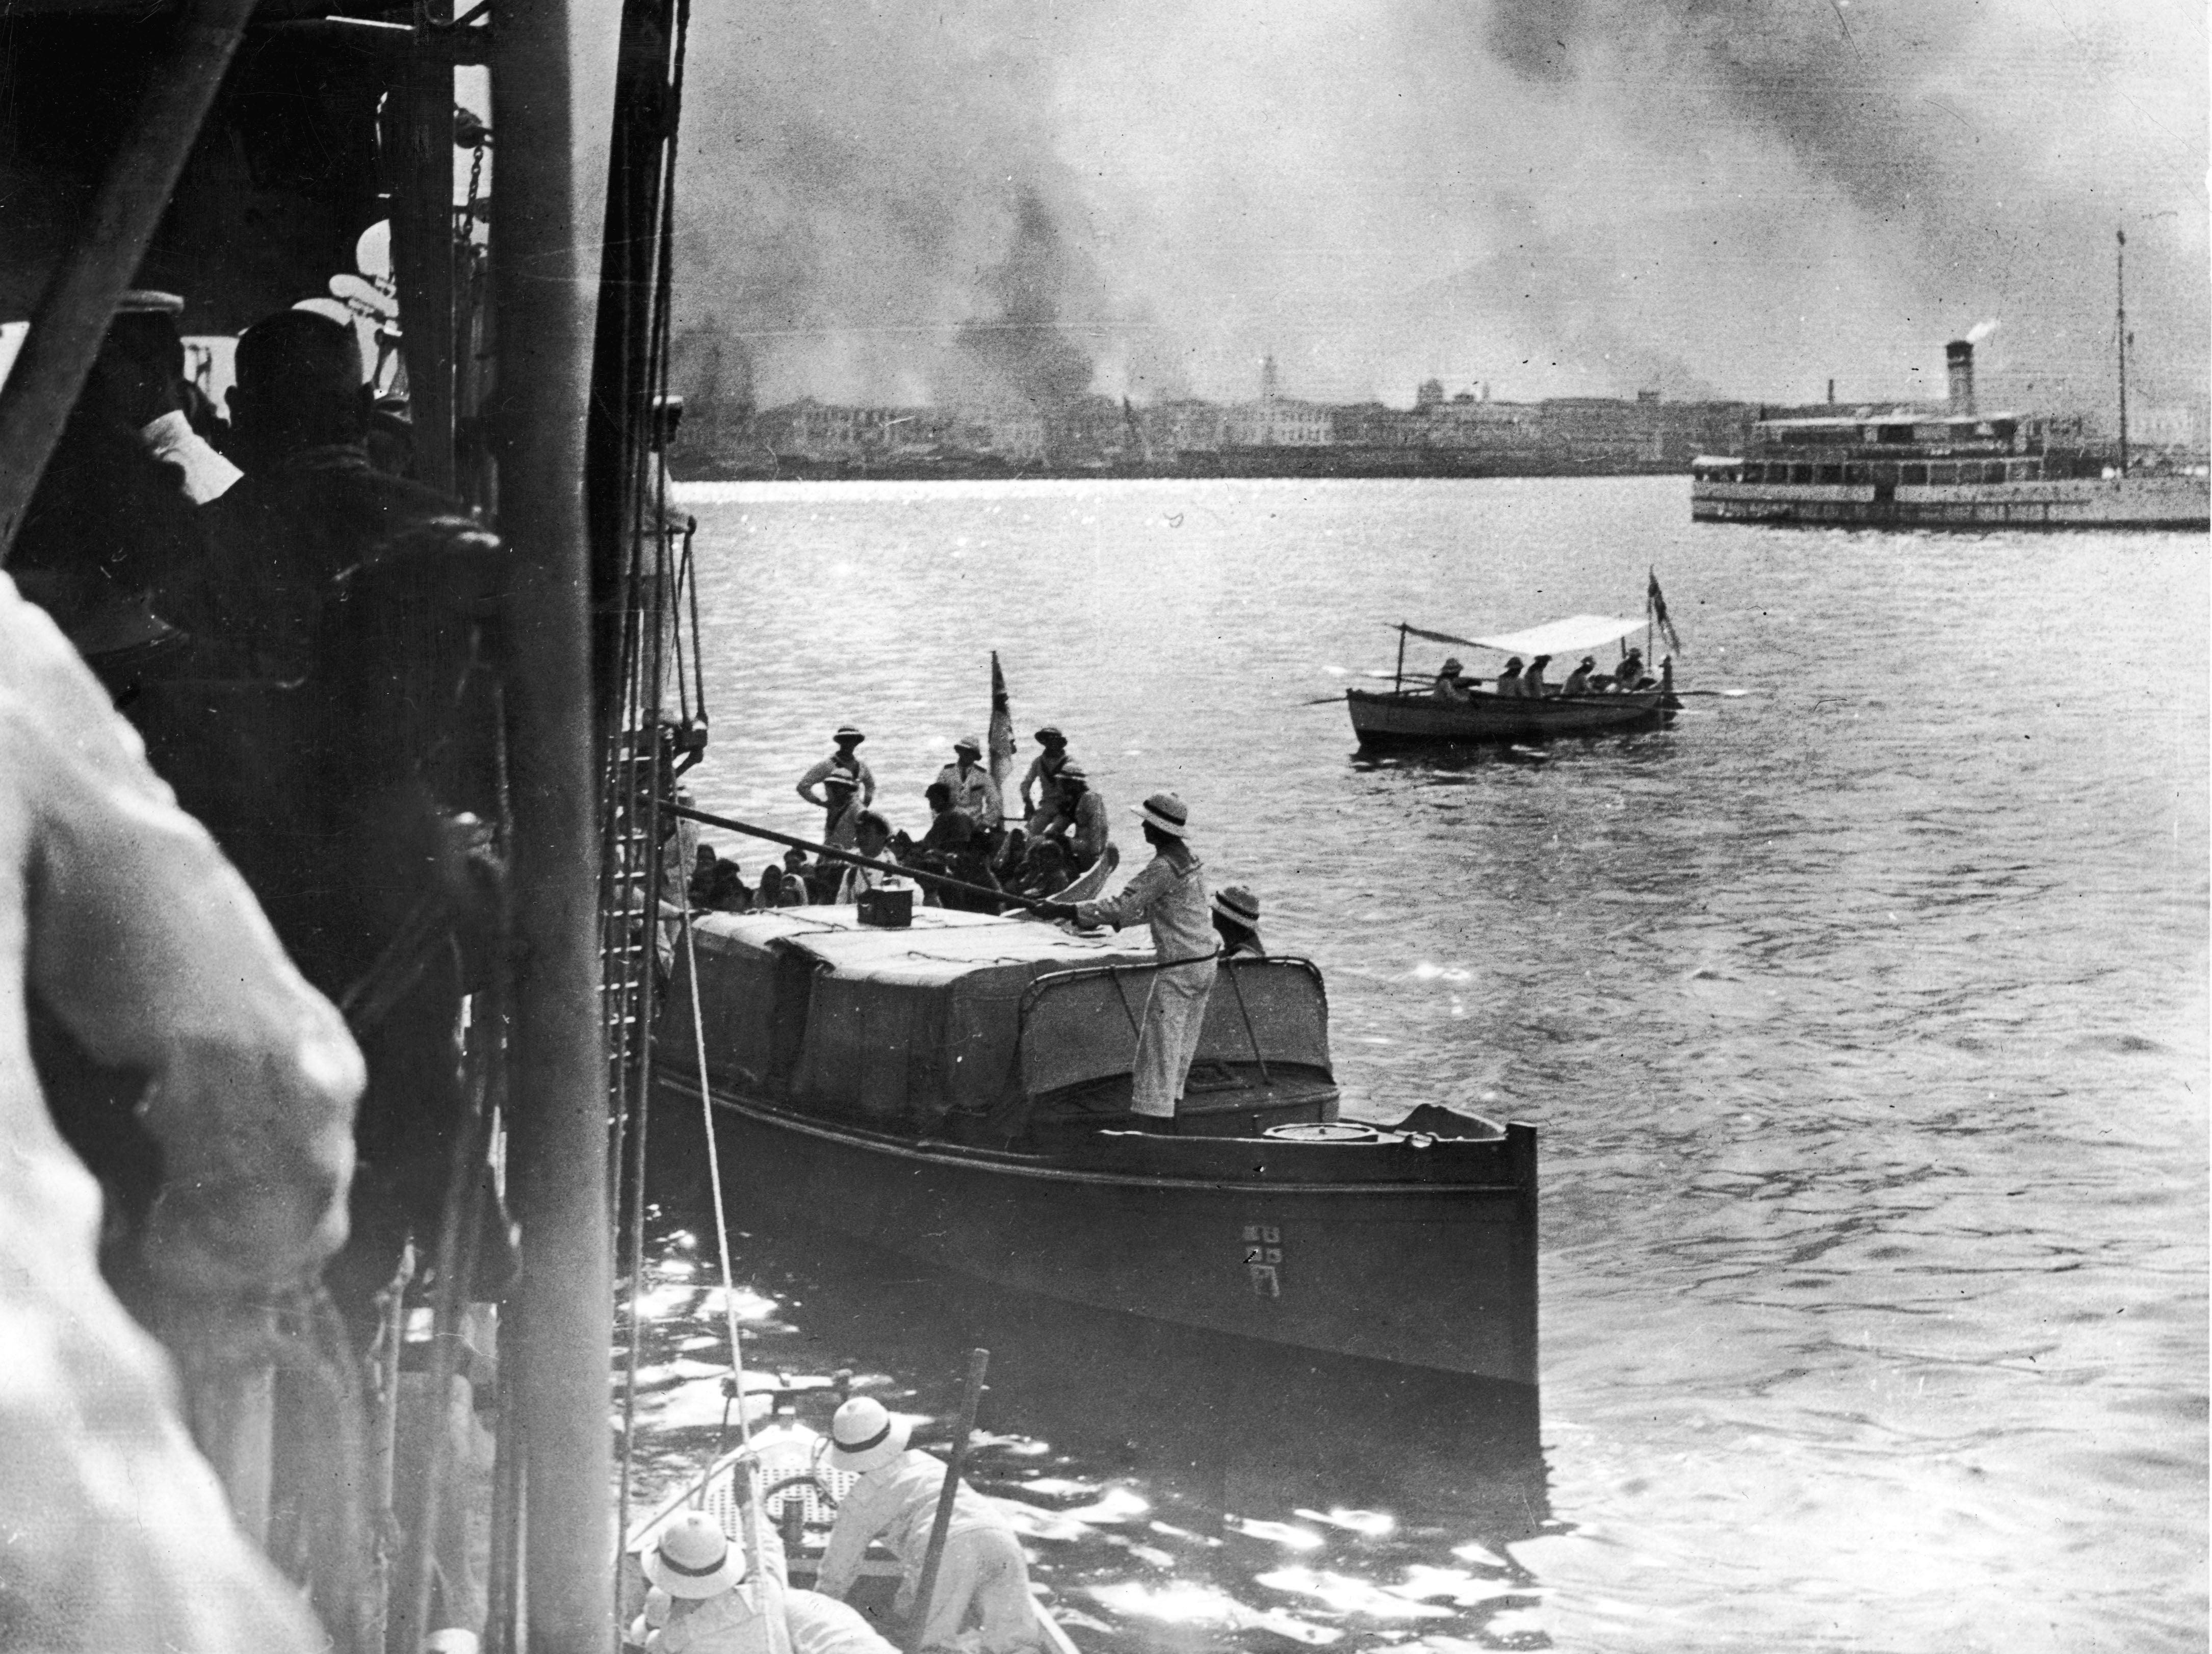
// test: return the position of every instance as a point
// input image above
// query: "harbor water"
(1861, 1012)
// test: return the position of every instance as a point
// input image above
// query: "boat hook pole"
(768, 833)
(979, 1362)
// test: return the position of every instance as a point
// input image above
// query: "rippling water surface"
(1862, 1016)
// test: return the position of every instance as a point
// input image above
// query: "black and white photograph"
(1148, 828)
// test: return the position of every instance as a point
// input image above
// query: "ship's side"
(2156, 502)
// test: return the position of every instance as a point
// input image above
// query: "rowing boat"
(1470, 712)
(1381, 717)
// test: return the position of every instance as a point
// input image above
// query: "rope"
(750, 1465)
(1228, 969)
(686, 812)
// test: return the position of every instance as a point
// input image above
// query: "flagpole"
(2120, 278)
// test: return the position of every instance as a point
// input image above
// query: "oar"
(1725, 695)
(978, 1361)
(774, 837)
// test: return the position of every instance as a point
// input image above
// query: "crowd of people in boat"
(1517, 681)
(1059, 834)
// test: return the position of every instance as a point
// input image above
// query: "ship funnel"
(1958, 357)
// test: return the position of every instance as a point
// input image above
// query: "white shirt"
(171, 438)
(974, 793)
(897, 1503)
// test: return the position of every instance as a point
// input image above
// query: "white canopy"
(1557, 637)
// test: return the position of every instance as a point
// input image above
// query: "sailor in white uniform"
(982, 1572)
(1170, 895)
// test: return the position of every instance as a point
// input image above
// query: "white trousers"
(1174, 1010)
(983, 1577)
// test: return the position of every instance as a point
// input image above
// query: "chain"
(476, 184)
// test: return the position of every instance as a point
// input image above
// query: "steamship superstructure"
(1951, 467)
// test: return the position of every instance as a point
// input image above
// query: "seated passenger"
(1237, 921)
(1509, 681)
(725, 890)
(1629, 674)
(1447, 686)
(1532, 681)
(874, 838)
(702, 874)
(844, 788)
(1080, 820)
(1579, 680)
(1046, 870)
(955, 847)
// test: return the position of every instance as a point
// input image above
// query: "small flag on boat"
(1657, 602)
(1001, 737)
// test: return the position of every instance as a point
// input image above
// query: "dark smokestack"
(1958, 357)
(1831, 393)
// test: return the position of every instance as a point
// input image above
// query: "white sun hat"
(865, 1433)
(695, 1558)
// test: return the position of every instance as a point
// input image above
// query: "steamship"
(1952, 467)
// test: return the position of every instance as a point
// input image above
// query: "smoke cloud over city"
(1741, 197)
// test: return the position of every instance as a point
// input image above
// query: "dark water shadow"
(1233, 1423)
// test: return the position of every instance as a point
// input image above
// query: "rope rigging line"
(750, 1463)
(641, 764)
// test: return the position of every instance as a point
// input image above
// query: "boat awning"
(1555, 637)
(897, 1028)
(942, 945)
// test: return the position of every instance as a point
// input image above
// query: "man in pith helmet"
(707, 1597)
(847, 758)
(974, 793)
(1168, 894)
(982, 1574)
(1237, 919)
(1079, 814)
(1043, 778)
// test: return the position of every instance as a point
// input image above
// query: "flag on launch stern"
(1657, 602)
(1001, 737)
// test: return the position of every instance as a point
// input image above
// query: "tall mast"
(544, 264)
(2120, 260)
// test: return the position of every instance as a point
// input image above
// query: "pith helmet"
(1165, 812)
(864, 1433)
(1239, 905)
(695, 1558)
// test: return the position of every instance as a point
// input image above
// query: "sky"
(907, 203)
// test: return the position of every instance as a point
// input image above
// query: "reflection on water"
(1171, 1486)
(1864, 1018)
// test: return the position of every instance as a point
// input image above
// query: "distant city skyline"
(889, 204)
